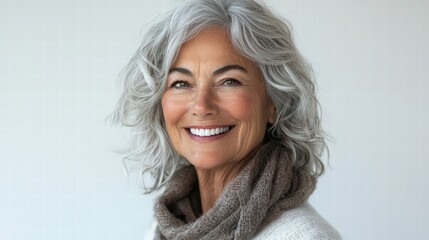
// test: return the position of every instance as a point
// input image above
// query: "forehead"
(211, 45)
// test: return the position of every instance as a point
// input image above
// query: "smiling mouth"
(208, 132)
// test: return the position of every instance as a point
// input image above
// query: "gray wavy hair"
(256, 33)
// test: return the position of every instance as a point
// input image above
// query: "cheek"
(251, 114)
(172, 112)
(248, 107)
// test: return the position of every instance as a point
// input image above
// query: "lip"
(203, 139)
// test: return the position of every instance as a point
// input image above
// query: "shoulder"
(300, 223)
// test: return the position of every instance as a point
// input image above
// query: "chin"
(208, 163)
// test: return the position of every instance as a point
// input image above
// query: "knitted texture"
(299, 223)
(269, 182)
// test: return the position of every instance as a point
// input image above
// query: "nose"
(204, 104)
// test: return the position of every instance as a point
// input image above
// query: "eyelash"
(180, 84)
(234, 81)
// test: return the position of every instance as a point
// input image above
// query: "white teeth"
(208, 132)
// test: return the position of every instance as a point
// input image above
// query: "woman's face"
(215, 105)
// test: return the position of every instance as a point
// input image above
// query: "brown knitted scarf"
(269, 183)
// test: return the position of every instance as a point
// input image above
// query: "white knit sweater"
(300, 223)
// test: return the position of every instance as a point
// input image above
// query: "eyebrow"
(228, 68)
(216, 72)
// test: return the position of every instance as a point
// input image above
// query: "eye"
(231, 82)
(179, 84)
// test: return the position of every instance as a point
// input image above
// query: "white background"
(60, 177)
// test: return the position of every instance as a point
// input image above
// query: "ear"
(272, 112)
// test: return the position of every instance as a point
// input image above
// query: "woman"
(226, 120)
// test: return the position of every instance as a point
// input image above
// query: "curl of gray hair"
(256, 33)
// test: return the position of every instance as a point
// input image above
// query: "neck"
(212, 182)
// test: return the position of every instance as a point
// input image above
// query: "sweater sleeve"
(301, 223)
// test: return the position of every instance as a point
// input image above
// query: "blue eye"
(231, 82)
(179, 84)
